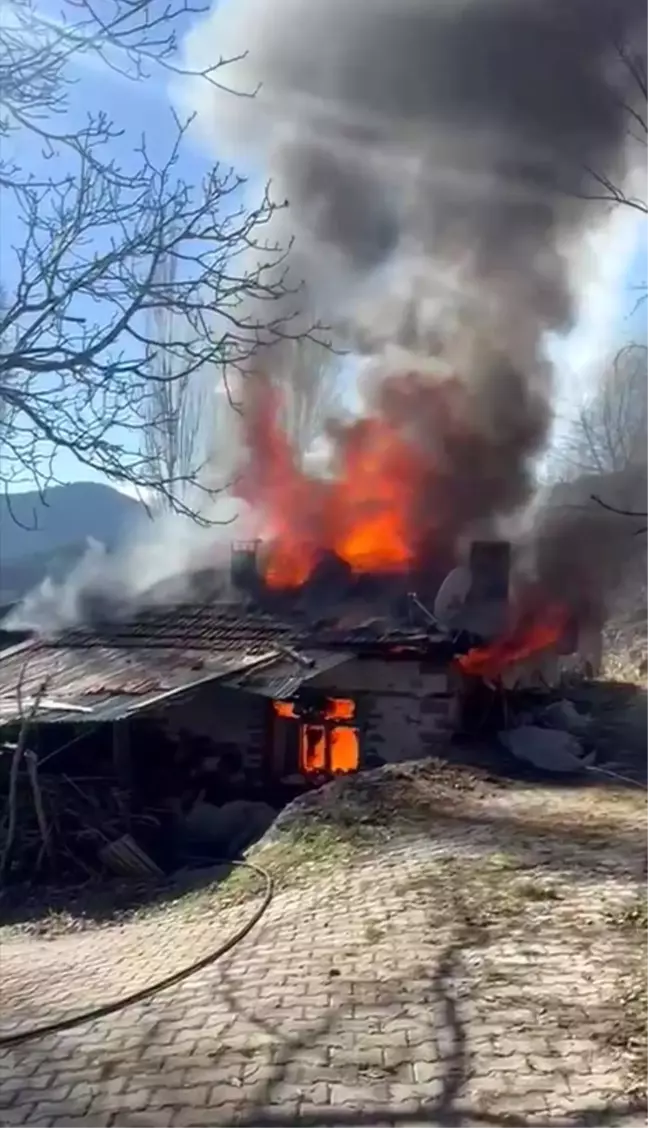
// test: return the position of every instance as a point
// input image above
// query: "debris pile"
(548, 749)
(551, 737)
(387, 795)
(56, 828)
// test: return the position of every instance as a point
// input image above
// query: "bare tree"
(309, 382)
(586, 543)
(609, 433)
(177, 407)
(105, 251)
(631, 67)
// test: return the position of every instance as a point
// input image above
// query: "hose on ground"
(106, 1009)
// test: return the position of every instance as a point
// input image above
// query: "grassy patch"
(538, 891)
(486, 892)
(301, 854)
(505, 862)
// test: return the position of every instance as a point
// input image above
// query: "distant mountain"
(46, 537)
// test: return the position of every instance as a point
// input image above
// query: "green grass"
(300, 854)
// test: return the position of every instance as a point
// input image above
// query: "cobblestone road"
(358, 999)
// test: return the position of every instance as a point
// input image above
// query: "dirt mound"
(388, 795)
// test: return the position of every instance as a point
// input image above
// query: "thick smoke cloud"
(438, 158)
(438, 161)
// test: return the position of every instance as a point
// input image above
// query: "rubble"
(550, 749)
(564, 715)
(224, 831)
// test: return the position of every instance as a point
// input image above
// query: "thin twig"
(621, 512)
(31, 761)
(614, 509)
(15, 764)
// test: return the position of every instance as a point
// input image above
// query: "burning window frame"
(329, 716)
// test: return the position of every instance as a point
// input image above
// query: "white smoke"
(157, 565)
(434, 158)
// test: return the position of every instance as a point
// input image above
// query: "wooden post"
(122, 762)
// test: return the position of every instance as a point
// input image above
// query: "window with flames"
(330, 743)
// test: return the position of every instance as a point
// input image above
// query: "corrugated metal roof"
(106, 683)
(284, 677)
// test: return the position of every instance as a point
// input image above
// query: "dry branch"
(621, 512)
(81, 358)
(31, 761)
(21, 744)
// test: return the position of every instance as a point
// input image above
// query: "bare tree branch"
(105, 252)
(310, 391)
(621, 512)
(615, 509)
(608, 435)
(26, 722)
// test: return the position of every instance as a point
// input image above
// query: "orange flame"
(343, 741)
(340, 708)
(534, 632)
(366, 514)
(284, 708)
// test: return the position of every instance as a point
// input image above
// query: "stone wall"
(227, 717)
(404, 707)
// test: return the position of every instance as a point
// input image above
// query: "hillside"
(40, 537)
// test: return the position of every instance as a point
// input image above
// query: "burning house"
(212, 710)
(297, 687)
(440, 163)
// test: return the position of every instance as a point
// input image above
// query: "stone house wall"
(229, 718)
(404, 706)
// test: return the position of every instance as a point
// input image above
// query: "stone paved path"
(359, 999)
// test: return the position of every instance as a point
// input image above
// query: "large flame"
(369, 512)
(534, 631)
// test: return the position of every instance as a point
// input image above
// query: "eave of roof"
(119, 689)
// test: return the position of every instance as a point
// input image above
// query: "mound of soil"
(393, 793)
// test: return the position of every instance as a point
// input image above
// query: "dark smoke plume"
(438, 160)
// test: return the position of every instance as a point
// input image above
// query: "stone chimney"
(245, 571)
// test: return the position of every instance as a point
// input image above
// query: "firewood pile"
(57, 828)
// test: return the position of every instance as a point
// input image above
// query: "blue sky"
(138, 109)
(636, 281)
(611, 314)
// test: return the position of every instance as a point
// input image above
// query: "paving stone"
(87, 1122)
(161, 1118)
(271, 1029)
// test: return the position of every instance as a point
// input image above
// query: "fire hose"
(8, 1040)
(161, 985)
